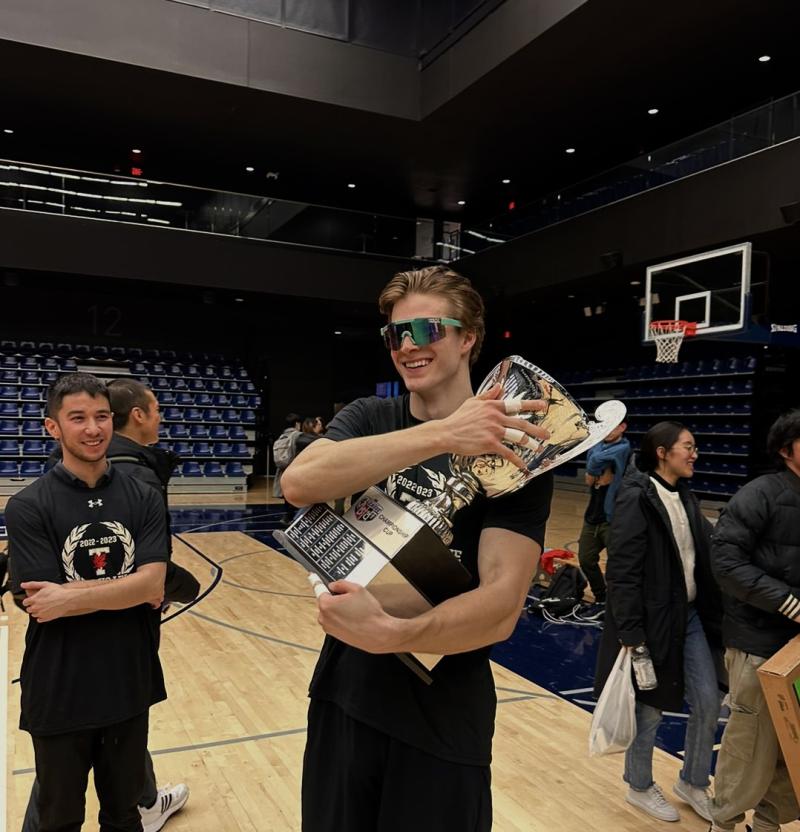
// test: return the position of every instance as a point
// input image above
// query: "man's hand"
(479, 426)
(47, 601)
(606, 478)
(354, 616)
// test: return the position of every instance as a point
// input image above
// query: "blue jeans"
(704, 698)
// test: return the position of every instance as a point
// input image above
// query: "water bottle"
(643, 668)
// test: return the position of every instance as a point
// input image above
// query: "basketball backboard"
(712, 289)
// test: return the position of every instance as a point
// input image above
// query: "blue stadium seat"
(8, 391)
(9, 447)
(100, 351)
(193, 415)
(185, 399)
(233, 386)
(30, 393)
(223, 449)
(50, 377)
(199, 432)
(33, 447)
(232, 415)
(29, 377)
(175, 370)
(197, 384)
(234, 469)
(9, 362)
(31, 410)
(201, 449)
(241, 373)
(212, 415)
(204, 400)
(218, 432)
(225, 372)
(192, 469)
(221, 400)
(8, 468)
(237, 432)
(160, 383)
(191, 370)
(178, 431)
(183, 448)
(248, 416)
(214, 385)
(9, 427)
(209, 371)
(69, 365)
(64, 350)
(244, 401)
(9, 410)
(166, 397)
(179, 384)
(49, 446)
(173, 414)
(157, 369)
(9, 376)
(240, 449)
(213, 469)
(249, 387)
(31, 468)
(119, 353)
(163, 430)
(29, 363)
(138, 369)
(32, 428)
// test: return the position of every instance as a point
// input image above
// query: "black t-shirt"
(596, 510)
(453, 718)
(86, 671)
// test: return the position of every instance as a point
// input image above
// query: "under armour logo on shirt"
(95, 503)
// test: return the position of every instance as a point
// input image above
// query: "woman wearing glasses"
(662, 596)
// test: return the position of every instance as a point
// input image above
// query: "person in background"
(755, 555)
(605, 466)
(663, 600)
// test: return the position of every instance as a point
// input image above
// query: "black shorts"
(358, 779)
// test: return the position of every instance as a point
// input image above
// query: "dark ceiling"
(586, 83)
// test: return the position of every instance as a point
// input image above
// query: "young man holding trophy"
(389, 749)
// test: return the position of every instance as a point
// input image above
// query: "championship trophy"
(400, 551)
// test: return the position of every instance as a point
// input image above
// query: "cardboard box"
(780, 681)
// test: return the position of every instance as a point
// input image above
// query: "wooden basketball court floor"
(237, 667)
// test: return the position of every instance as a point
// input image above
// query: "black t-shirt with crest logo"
(452, 718)
(91, 670)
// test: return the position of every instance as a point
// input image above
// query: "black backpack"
(564, 593)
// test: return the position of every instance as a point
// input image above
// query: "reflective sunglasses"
(422, 331)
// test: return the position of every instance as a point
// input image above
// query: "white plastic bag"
(614, 721)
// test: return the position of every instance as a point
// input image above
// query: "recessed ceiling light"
(570, 296)
(136, 151)
(337, 331)
(506, 181)
(764, 59)
(570, 150)
(636, 282)
(462, 202)
(351, 185)
(653, 111)
(249, 168)
(8, 130)
(239, 300)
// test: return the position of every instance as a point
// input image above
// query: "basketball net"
(668, 336)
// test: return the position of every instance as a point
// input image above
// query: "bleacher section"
(208, 409)
(713, 398)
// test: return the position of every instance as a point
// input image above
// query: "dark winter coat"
(647, 600)
(755, 555)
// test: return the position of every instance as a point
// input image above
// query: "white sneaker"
(653, 802)
(699, 799)
(170, 799)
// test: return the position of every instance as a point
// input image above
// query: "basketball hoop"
(669, 336)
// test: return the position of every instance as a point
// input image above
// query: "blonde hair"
(467, 304)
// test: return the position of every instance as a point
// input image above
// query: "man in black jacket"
(132, 450)
(756, 559)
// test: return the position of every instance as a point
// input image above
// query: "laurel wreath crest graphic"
(75, 536)
(68, 552)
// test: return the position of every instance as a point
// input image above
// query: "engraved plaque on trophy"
(400, 551)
